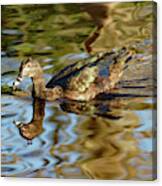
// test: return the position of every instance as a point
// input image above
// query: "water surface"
(111, 138)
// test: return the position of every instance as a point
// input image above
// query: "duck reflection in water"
(35, 127)
(108, 109)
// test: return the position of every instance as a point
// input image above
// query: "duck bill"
(19, 124)
(17, 82)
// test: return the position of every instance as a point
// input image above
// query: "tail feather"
(116, 70)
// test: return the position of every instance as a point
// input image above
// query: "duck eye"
(60, 89)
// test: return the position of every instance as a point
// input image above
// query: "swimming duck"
(81, 81)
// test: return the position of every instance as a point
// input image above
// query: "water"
(111, 138)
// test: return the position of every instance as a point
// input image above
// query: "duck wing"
(77, 71)
(82, 80)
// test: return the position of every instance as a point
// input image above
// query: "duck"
(80, 81)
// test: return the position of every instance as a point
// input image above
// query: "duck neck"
(40, 90)
(38, 110)
(39, 86)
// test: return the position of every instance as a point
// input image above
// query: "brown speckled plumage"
(80, 81)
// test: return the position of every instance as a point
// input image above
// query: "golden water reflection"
(105, 143)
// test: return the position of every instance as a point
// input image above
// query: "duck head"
(28, 68)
